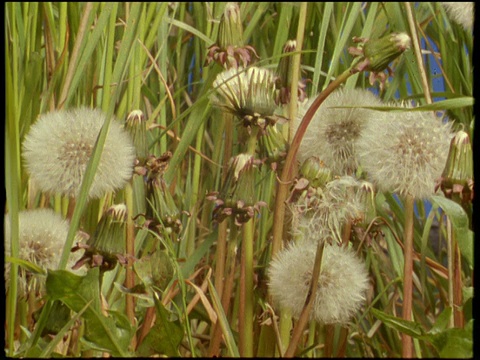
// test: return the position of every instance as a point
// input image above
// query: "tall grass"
(121, 57)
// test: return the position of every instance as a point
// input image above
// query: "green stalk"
(246, 284)
(246, 276)
(12, 181)
(407, 344)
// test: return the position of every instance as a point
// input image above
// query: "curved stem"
(287, 173)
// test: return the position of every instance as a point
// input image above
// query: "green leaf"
(407, 327)
(442, 321)
(459, 219)
(112, 333)
(453, 343)
(164, 337)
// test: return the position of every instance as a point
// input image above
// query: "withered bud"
(316, 172)
(136, 126)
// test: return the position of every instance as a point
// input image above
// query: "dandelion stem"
(287, 172)
(285, 315)
(305, 314)
(246, 290)
(130, 250)
(407, 345)
(417, 51)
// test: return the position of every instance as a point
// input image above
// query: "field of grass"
(176, 258)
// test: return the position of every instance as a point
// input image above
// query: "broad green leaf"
(459, 219)
(453, 343)
(113, 332)
(164, 337)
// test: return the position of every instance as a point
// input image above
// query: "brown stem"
(288, 169)
(329, 332)
(407, 343)
(343, 342)
(305, 314)
(150, 315)
(226, 296)
(458, 318)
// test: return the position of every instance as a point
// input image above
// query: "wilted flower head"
(333, 131)
(284, 73)
(457, 177)
(321, 214)
(247, 94)
(237, 196)
(107, 244)
(59, 145)
(405, 152)
(136, 126)
(342, 283)
(42, 235)
(462, 13)
(230, 50)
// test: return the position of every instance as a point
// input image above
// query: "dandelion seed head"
(59, 146)
(324, 216)
(461, 12)
(333, 132)
(405, 153)
(341, 288)
(42, 235)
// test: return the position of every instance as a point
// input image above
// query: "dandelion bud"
(315, 171)
(273, 146)
(107, 245)
(237, 197)
(230, 52)
(341, 288)
(230, 31)
(457, 177)
(376, 54)
(284, 75)
(162, 212)
(162, 207)
(136, 126)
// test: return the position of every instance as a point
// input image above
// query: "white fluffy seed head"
(42, 235)
(405, 153)
(333, 132)
(59, 145)
(245, 92)
(341, 200)
(462, 13)
(342, 283)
